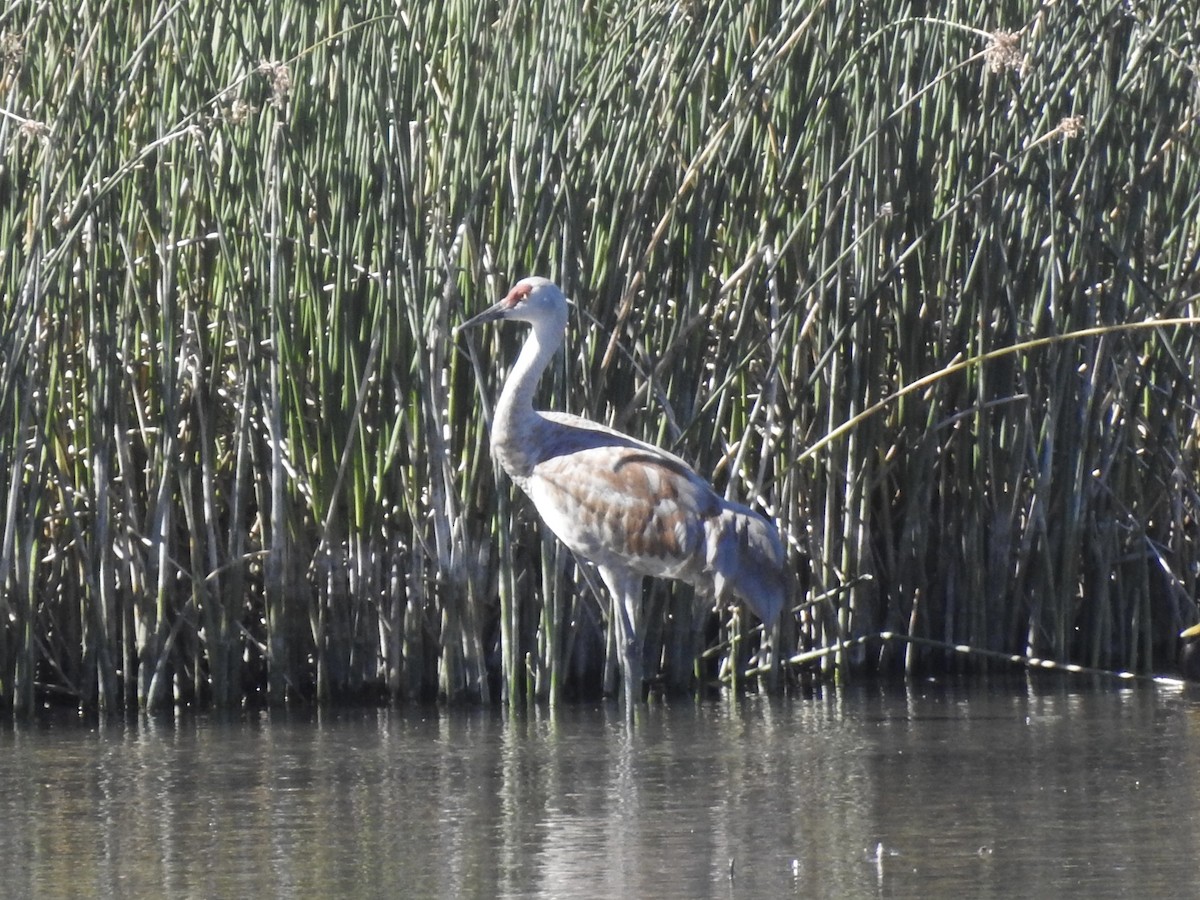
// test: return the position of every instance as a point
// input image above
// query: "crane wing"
(618, 501)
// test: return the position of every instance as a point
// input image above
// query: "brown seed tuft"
(239, 111)
(281, 81)
(12, 50)
(1071, 126)
(33, 130)
(1004, 52)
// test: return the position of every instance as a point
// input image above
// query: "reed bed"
(919, 283)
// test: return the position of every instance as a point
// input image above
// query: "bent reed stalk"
(924, 290)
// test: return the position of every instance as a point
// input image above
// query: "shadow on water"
(1037, 787)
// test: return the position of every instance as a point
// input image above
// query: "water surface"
(1039, 788)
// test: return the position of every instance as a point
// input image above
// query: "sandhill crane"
(630, 508)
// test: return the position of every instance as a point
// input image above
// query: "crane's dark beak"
(488, 315)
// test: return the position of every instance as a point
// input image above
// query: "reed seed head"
(33, 130)
(239, 111)
(12, 49)
(1070, 126)
(280, 77)
(1004, 52)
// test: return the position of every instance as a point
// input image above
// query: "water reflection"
(1046, 787)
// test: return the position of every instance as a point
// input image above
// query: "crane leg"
(626, 590)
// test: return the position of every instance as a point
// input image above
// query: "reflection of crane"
(629, 507)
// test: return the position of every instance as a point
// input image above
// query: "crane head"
(535, 300)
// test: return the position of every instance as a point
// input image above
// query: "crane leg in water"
(625, 589)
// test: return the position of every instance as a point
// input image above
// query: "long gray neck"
(515, 426)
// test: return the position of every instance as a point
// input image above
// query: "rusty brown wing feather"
(629, 504)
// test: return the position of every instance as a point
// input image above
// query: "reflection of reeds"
(243, 457)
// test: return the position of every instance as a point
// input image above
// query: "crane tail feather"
(747, 560)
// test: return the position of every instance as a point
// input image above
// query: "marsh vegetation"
(920, 284)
